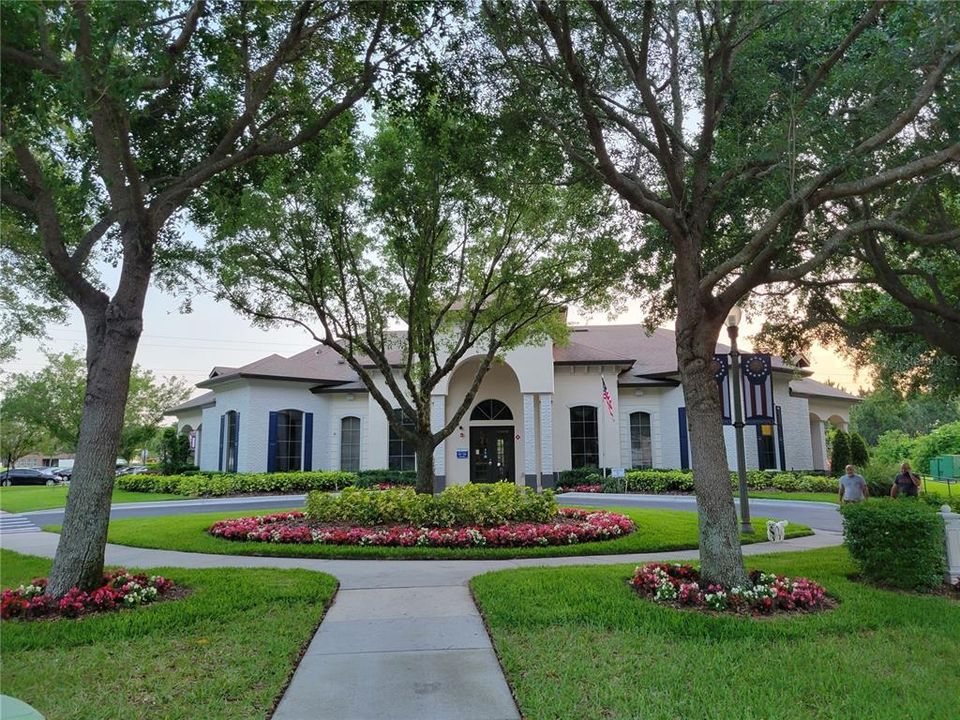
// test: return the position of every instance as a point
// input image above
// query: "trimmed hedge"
(369, 478)
(485, 505)
(237, 483)
(681, 481)
(896, 542)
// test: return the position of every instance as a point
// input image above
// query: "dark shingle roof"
(811, 388)
(651, 358)
(201, 400)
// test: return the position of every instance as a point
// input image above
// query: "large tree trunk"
(721, 558)
(425, 477)
(113, 332)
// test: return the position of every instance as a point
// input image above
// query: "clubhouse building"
(539, 411)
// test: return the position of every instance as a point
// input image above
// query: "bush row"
(237, 483)
(896, 542)
(664, 481)
(457, 506)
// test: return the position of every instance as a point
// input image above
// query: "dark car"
(26, 476)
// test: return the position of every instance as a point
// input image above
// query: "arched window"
(584, 437)
(402, 455)
(491, 410)
(289, 440)
(641, 440)
(350, 444)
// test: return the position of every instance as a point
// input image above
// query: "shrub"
(457, 506)
(879, 476)
(896, 542)
(858, 451)
(174, 451)
(372, 478)
(893, 447)
(666, 481)
(945, 440)
(579, 476)
(840, 454)
(216, 484)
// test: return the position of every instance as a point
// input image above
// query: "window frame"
(637, 438)
(288, 456)
(401, 454)
(581, 439)
(354, 444)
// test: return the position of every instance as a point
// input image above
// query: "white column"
(438, 418)
(951, 524)
(529, 442)
(546, 440)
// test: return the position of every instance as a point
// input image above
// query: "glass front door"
(491, 454)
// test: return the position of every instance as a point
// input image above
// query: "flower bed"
(679, 585)
(570, 526)
(119, 589)
(588, 488)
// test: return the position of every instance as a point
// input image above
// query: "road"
(820, 516)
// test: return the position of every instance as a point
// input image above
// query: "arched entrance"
(492, 451)
(487, 446)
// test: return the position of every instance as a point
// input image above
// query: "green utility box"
(945, 467)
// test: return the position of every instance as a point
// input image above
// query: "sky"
(189, 345)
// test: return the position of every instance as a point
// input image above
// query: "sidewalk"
(403, 639)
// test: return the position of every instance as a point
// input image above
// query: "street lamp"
(733, 322)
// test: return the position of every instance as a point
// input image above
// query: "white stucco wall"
(580, 385)
(527, 371)
(341, 405)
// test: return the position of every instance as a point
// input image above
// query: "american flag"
(607, 400)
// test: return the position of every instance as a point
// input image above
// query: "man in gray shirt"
(853, 488)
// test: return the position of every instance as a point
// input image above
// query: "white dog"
(776, 530)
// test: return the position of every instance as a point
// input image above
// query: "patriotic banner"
(756, 371)
(607, 400)
(721, 373)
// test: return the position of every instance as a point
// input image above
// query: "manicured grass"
(577, 642)
(225, 651)
(657, 530)
(40, 497)
(941, 488)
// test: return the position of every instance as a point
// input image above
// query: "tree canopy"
(752, 140)
(443, 236)
(52, 398)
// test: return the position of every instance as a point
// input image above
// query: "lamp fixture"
(734, 317)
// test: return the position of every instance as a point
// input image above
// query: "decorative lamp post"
(733, 322)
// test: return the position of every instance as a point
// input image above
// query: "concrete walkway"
(403, 639)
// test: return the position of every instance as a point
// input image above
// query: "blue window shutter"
(780, 448)
(684, 442)
(223, 420)
(308, 441)
(272, 443)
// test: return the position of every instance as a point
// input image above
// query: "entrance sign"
(617, 472)
(462, 454)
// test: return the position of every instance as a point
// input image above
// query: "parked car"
(27, 476)
(63, 473)
(132, 470)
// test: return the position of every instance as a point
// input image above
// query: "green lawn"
(578, 643)
(657, 530)
(225, 651)
(40, 497)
